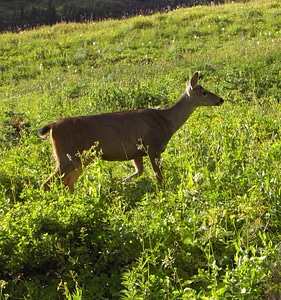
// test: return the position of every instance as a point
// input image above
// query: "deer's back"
(118, 134)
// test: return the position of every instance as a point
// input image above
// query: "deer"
(121, 136)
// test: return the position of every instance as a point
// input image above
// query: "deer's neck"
(179, 112)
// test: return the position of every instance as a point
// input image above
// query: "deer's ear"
(193, 81)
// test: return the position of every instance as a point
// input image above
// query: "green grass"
(212, 231)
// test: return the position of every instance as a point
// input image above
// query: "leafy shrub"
(14, 128)
(211, 231)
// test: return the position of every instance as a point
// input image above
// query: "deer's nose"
(220, 101)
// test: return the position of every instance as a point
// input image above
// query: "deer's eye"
(204, 93)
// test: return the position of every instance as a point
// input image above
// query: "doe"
(121, 136)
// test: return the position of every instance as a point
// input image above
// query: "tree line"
(20, 14)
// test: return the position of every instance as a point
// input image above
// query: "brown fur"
(125, 135)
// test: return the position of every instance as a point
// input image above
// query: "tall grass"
(212, 230)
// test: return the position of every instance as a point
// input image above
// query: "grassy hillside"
(18, 14)
(212, 230)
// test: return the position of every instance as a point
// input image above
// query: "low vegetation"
(212, 230)
(17, 14)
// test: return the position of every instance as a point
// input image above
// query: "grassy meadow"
(212, 230)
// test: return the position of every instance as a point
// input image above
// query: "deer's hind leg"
(46, 184)
(67, 179)
(67, 172)
(71, 178)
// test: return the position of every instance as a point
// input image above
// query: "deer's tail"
(43, 131)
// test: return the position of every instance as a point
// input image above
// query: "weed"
(14, 128)
(212, 230)
(3, 283)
